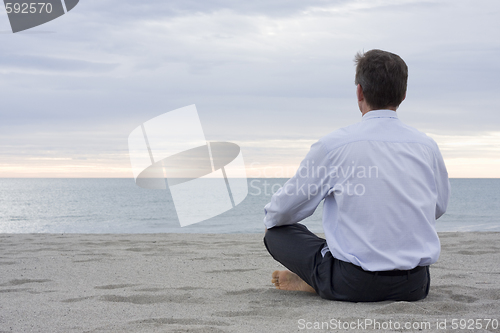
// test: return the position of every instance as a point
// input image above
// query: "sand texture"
(217, 283)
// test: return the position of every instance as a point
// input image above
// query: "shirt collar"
(380, 114)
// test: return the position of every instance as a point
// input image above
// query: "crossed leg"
(297, 249)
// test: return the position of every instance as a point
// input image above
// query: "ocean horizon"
(117, 205)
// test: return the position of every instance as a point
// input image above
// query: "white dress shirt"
(384, 184)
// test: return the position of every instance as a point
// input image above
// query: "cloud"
(130, 10)
(257, 71)
(44, 64)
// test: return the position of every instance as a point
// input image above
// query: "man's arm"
(442, 185)
(300, 195)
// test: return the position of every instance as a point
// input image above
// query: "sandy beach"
(220, 283)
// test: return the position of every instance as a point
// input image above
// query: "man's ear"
(359, 93)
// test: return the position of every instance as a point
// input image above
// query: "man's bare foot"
(286, 280)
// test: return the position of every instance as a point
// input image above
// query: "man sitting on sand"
(384, 184)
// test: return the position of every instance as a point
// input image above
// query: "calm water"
(119, 206)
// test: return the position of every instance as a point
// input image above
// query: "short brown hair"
(383, 76)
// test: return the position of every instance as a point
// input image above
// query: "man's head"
(381, 76)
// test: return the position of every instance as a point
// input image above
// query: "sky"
(272, 76)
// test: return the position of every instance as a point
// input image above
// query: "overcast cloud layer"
(273, 76)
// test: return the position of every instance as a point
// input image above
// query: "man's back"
(389, 187)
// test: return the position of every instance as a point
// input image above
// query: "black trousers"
(299, 250)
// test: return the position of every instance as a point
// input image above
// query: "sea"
(69, 205)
